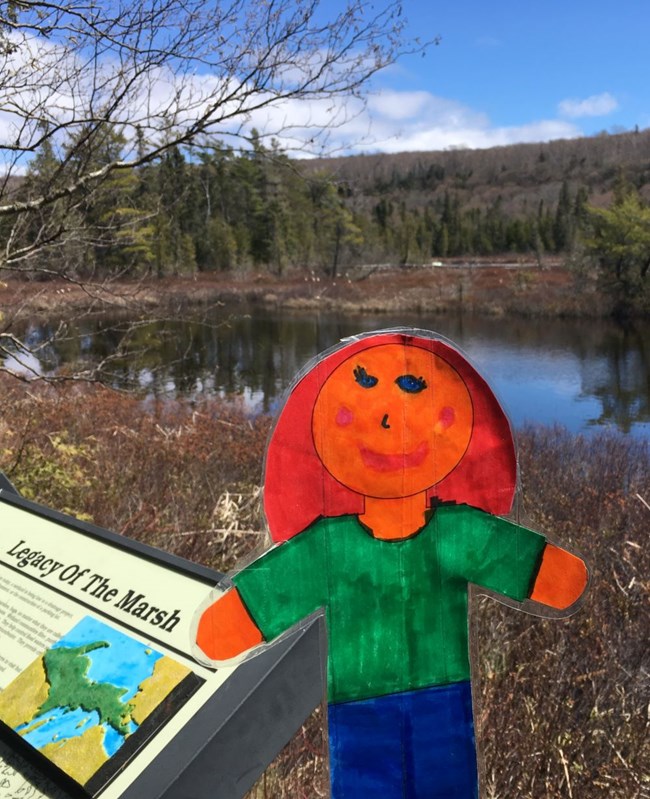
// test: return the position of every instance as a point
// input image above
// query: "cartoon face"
(392, 421)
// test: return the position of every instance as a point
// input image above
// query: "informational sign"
(97, 675)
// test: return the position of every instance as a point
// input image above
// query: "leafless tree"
(93, 89)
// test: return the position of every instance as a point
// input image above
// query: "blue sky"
(504, 72)
(507, 72)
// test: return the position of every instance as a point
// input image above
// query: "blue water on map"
(58, 724)
(113, 740)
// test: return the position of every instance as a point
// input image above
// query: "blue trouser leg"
(411, 745)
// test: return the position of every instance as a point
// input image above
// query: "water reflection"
(578, 373)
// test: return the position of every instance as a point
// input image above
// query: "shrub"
(152, 470)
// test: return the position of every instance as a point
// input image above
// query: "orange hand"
(561, 579)
(226, 628)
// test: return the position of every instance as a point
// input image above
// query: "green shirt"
(396, 610)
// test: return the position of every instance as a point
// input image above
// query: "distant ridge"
(522, 175)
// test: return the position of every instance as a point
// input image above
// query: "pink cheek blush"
(344, 416)
(447, 417)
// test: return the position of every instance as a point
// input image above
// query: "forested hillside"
(522, 198)
(521, 173)
(218, 209)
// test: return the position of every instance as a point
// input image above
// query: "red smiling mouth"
(393, 463)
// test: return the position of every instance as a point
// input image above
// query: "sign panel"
(96, 667)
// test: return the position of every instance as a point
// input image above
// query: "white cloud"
(394, 121)
(399, 105)
(389, 121)
(597, 105)
(479, 137)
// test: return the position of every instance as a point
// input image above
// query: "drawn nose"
(384, 422)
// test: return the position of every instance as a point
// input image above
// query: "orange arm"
(226, 628)
(561, 579)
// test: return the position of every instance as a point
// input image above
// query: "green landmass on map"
(66, 669)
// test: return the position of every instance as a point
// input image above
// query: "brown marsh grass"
(562, 704)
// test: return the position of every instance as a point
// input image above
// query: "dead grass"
(157, 472)
(521, 289)
(563, 703)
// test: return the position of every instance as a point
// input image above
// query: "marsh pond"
(582, 374)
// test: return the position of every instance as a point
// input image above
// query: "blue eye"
(411, 384)
(363, 378)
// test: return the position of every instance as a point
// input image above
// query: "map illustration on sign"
(91, 700)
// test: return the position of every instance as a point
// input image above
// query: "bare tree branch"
(95, 91)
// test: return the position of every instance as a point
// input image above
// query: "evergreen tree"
(620, 241)
(563, 226)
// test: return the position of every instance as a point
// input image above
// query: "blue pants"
(411, 745)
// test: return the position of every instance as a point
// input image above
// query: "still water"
(581, 374)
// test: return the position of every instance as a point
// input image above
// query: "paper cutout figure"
(384, 476)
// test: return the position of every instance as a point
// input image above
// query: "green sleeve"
(285, 584)
(496, 553)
